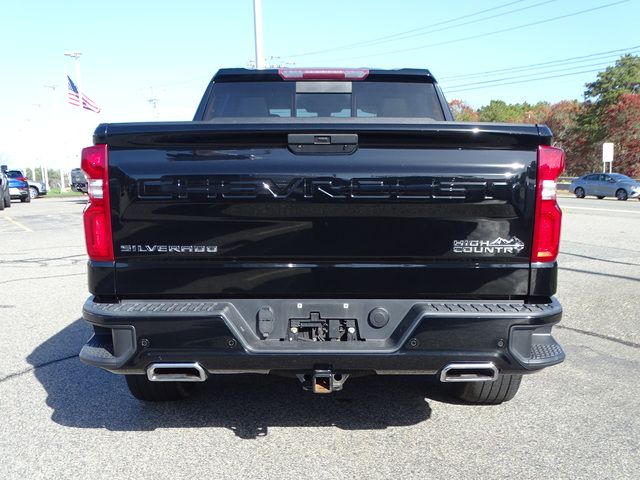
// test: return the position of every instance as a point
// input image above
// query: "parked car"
(78, 181)
(5, 195)
(36, 189)
(322, 223)
(606, 185)
(18, 186)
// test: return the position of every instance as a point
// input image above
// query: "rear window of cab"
(324, 99)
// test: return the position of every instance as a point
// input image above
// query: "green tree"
(502, 112)
(54, 178)
(623, 77)
(499, 111)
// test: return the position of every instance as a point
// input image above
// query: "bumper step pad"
(534, 347)
(112, 350)
(99, 348)
(542, 351)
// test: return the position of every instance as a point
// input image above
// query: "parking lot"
(62, 419)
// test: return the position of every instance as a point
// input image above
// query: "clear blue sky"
(136, 50)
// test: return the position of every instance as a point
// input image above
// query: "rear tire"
(33, 193)
(488, 393)
(7, 199)
(26, 199)
(147, 391)
(3, 203)
(600, 197)
(622, 195)
(579, 192)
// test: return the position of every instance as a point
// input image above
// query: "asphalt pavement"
(61, 419)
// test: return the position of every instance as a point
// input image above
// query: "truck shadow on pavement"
(248, 405)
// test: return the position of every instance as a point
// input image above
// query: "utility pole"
(44, 172)
(257, 28)
(154, 103)
(35, 126)
(153, 100)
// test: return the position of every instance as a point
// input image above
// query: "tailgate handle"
(318, 143)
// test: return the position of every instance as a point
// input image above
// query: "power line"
(455, 90)
(563, 61)
(467, 23)
(399, 34)
(487, 34)
(599, 64)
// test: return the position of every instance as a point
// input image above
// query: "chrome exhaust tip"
(176, 372)
(469, 372)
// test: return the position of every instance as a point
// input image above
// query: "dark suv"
(78, 181)
(5, 196)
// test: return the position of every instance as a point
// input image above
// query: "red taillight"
(97, 218)
(23, 179)
(548, 216)
(323, 73)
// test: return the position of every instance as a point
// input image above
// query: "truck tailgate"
(206, 210)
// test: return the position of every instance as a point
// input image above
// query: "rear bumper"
(419, 337)
(18, 192)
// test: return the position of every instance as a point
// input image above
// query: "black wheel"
(26, 199)
(600, 197)
(147, 391)
(33, 192)
(3, 203)
(7, 199)
(488, 393)
(579, 192)
(621, 194)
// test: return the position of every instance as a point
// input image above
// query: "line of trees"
(610, 112)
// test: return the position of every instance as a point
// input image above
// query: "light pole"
(257, 28)
(44, 161)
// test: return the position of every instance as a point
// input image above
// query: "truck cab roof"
(411, 75)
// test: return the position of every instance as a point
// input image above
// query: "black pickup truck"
(321, 224)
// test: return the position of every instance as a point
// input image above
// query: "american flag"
(74, 98)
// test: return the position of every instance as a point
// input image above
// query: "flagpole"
(76, 57)
(76, 62)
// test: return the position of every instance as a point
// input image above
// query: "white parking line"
(564, 207)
